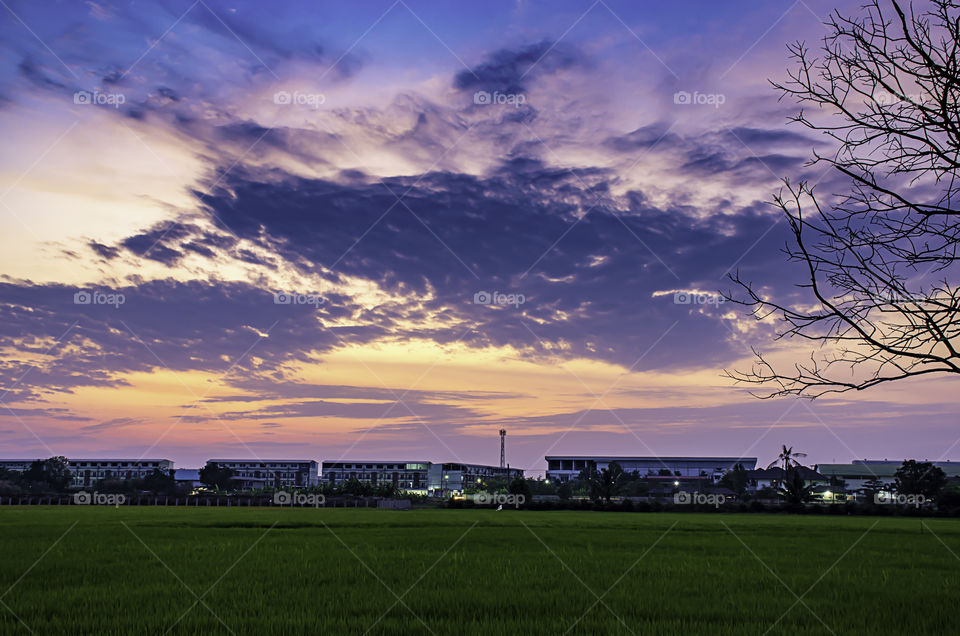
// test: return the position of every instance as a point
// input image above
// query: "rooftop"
(664, 458)
(808, 474)
(896, 462)
(116, 459)
(374, 461)
(255, 460)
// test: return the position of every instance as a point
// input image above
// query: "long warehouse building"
(569, 467)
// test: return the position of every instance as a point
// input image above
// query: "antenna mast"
(503, 455)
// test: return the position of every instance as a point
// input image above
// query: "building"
(775, 477)
(188, 478)
(455, 478)
(16, 465)
(569, 467)
(410, 476)
(420, 477)
(271, 473)
(858, 472)
(87, 472)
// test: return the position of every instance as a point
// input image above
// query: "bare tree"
(877, 260)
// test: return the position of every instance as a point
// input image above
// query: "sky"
(386, 230)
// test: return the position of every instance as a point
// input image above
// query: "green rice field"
(130, 570)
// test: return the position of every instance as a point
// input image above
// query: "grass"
(97, 570)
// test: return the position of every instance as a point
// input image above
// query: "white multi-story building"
(410, 476)
(87, 472)
(271, 473)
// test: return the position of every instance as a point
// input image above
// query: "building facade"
(271, 473)
(426, 478)
(569, 467)
(188, 478)
(454, 478)
(410, 476)
(858, 472)
(16, 465)
(776, 477)
(87, 472)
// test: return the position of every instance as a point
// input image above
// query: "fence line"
(265, 501)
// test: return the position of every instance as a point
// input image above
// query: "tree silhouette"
(52, 473)
(221, 478)
(787, 458)
(920, 478)
(794, 489)
(607, 483)
(876, 260)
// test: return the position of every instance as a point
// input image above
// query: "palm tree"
(787, 457)
(794, 489)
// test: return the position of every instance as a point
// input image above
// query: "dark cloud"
(106, 251)
(765, 137)
(249, 257)
(119, 422)
(168, 94)
(272, 44)
(511, 70)
(53, 413)
(195, 246)
(267, 389)
(38, 76)
(737, 161)
(586, 263)
(644, 138)
(406, 410)
(160, 324)
(151, 245)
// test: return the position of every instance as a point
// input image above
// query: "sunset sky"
(169, 170)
